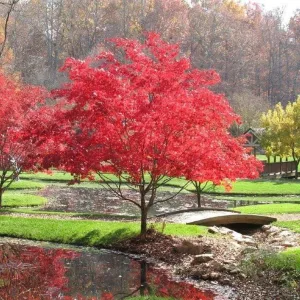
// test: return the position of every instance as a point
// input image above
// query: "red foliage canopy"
(148, 111)
(18, 104)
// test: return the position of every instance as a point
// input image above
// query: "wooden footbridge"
(211, 217)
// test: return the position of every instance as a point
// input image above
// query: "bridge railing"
(286, 167)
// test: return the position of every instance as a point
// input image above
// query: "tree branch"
(117, 191)
(11, 5)
(181, 189)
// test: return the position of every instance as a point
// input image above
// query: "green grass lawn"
(292, 225)
(259, 198)
(259, 186)
(256, 187)
(26, 184)
(13, 199)
(293, 255)
(37, 211)
(264, 157)
(262, 209)
(83, 232)
(55, 176)
(288, 264)
(264, 186)
(285, 264)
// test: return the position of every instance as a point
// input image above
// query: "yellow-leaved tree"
(281, 136)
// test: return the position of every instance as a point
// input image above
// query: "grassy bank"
(258, 198)
(38, 211)
(292, 255)
(65, 177)
(262, 209)
(88, 233)
(284, 266)
(264, 186)
(255, 187)
(54, 176)
(292, 225)
(25, 184)
(13, 199)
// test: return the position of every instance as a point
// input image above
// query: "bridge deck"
(212, 217)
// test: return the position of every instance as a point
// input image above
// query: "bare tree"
(8, 7)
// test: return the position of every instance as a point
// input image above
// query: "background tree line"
(256, 53)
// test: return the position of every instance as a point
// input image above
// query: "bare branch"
(11, 5)
(116, 190)
(173, 196)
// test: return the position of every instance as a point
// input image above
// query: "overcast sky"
(289, 6)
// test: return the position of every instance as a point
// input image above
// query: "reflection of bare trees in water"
(144, 288)
(109, 276)
(157, 282)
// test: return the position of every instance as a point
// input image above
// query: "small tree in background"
(226, 161)
(18, 104)
(145, 118)
(201, 187)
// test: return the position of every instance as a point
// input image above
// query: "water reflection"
(102, 201)
(32, 273)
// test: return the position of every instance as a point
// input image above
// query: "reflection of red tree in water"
(156, 282)
(32, 273)
(164, 287)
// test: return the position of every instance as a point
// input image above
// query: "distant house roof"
(252, 136)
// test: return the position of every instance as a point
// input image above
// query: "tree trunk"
(199, 198)
(198, 192)
(1, 194)
(143, 278)
(143, 222)
(144, 211)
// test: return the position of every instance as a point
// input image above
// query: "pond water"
(31, 273)
(103, 201)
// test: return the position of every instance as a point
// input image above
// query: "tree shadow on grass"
(117, 236)
(96, 238)
(283, 181)
(264, 180)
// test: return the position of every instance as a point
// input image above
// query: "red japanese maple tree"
(146, 116)
(18, 103)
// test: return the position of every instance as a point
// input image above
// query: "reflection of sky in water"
(28, 272)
